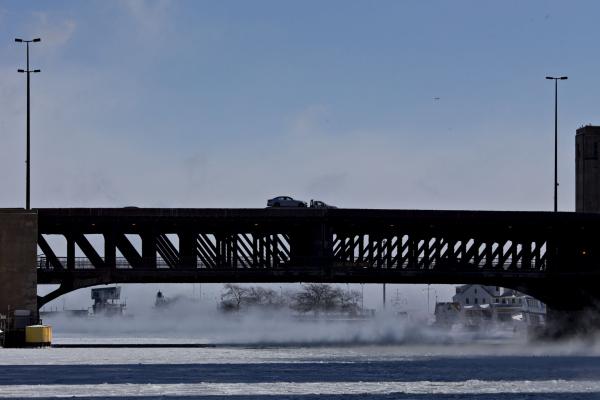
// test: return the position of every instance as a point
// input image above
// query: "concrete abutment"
(18, 252)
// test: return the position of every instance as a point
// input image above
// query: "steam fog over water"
(267, 355)
(203, 323)
(198, 323)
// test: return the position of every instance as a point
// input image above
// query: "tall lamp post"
(27, 160)
(556, 79)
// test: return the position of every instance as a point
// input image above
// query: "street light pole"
(362, 297)
(28, 152)
(556, 79)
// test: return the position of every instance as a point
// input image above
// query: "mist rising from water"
(197, 322)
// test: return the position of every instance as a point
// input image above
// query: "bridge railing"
(84, 263)
(422, 263)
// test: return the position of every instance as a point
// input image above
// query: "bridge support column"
(149, 249)
(70, 252)
(187, 250)
(572, 307)
(566, 323)
(18, 251)
(110, 250)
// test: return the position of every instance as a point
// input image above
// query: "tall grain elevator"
(587, 169)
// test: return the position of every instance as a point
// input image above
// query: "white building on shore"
(480, 305)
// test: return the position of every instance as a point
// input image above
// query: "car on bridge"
(285, 201)
(320, 204)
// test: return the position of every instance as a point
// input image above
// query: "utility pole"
(362, 297)
(428, 308)
(28, 152)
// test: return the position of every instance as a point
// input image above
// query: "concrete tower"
(587, 169)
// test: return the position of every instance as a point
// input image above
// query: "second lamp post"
(556, 79)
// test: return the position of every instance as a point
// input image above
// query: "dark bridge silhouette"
(552, 256)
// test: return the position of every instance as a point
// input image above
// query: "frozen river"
(334, 361)
(478, 371)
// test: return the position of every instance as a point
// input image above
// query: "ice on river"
(332, 360)
(300, 372)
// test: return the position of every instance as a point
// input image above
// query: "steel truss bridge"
(552, 256)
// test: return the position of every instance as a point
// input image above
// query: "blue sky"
(228, 103)
(197, 103)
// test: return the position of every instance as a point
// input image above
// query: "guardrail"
(83, 263)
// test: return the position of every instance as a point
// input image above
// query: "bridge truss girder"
(525, 251)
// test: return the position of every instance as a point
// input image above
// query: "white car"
(285, 201)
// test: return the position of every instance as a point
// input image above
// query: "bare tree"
(318, 297)
(350, 301)
(233, 297)
(259, 296)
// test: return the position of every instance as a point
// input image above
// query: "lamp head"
(20, 70)
(37, 70)
(18, 40)
(37, 40)
(562, 78)
(549, 77)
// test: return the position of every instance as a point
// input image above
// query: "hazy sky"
(228, 103)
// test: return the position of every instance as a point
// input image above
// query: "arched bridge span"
(552, 256)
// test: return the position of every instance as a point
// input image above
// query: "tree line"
(313, 297)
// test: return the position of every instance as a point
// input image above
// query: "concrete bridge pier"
(572, 306)
(18, 258)
(568, 323)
